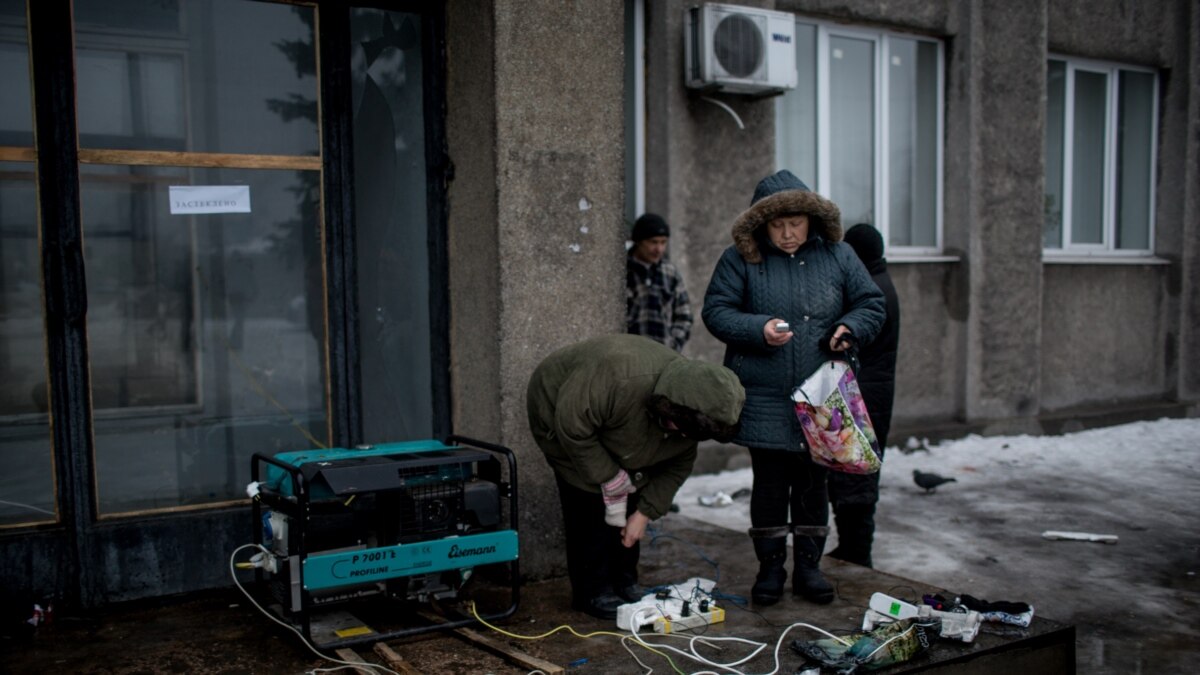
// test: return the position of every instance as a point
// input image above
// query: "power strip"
(884, 608)
(892, 607)
(666, 616)
(673, 608)
(668, 625)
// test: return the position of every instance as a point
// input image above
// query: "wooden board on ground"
(347, 654)
(504, 651)
(394, 660)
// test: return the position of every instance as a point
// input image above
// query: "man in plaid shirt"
(656, 301)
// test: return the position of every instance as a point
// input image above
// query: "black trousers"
(785, 479)
(848, 489)
(597, 562)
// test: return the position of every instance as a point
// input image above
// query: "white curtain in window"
(1088, 141)
(1056, 97)
(1135, 140)
(796, 113)
(852, 128)
(912, 142)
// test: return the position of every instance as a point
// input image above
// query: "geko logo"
(780, 37)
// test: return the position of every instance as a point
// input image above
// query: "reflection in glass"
(1056, 98)
(796, 113)
(391, 226)
(16, 112)
(160, 16)
(1135, 138)
(852, 128)
(912, 143)
(197, 75)
(206, 333)
(140, 292)
(14, 9)
(130, 100)
(1087, 156)
(27, 481)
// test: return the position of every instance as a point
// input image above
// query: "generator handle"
(298, 487)
(513, 511)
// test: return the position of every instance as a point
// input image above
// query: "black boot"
(603, 606)
(632, 592)
(772, 554)
(807, 580)
(856, 530)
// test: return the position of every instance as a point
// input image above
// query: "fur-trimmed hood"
(779, 195)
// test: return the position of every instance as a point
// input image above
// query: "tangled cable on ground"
(342, 665)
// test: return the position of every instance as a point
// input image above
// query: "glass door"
(201, 215)
(392, 236)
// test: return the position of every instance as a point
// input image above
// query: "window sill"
(1046, 259)
(923, 258)
(1059, 259)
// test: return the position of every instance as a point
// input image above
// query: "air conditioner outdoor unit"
(739, 50)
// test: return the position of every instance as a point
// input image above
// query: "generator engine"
(402, 521)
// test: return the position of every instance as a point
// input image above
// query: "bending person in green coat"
(619, 418)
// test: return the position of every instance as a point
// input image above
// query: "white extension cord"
(258, 562)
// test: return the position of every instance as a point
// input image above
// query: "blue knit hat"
(777, 182)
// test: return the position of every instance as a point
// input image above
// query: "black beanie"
(650, 225)
(866, 242)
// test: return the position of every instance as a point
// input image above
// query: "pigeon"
(930, 481)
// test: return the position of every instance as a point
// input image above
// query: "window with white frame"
(864, 128)
(1099, 152)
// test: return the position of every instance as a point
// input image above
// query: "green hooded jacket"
(587, 411)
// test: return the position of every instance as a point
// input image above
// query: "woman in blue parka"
(788, 266)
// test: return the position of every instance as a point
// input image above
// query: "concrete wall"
(1108, 335)
(999, 91)
(933, 312)
(535, 129)
(474, 231)
(1186, 134)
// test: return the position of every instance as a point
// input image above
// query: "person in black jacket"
(854, 496)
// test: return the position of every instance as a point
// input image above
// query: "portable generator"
(407, 522)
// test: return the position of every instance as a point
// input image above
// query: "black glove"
(849, 355)
(828, 337)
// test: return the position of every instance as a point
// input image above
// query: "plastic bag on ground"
(886, 645)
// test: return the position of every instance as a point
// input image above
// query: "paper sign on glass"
(189, 199)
